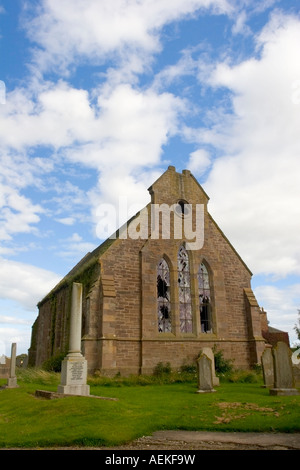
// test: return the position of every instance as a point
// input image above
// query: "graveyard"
(142, 405)
(70, 408)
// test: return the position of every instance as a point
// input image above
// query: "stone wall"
(120, 328)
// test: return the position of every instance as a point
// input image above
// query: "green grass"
(143, 407)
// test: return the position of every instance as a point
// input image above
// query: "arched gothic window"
(184, 288)
(163, 297)
(204, 299)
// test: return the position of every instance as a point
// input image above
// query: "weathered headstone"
(74, 366)
(268, 368)
(296, 372)
(4, 367)
(12, 379)
(205, 378)
(209, 353)
(284, 383)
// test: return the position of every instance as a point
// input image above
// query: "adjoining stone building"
(270, 334)
(150, 299)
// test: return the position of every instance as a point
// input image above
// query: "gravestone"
(209, 353)
(205, 378)
(74, 366)
(268, 368)
(4, 367)
(284, 383)
(296, 372)
(12, 379)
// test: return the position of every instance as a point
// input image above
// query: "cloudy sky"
(98, 97)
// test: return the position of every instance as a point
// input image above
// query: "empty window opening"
(184, 287)
(204, 299)
(163, 297)
(182, 208)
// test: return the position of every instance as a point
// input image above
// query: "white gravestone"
(74, 366)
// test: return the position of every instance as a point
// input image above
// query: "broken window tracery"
(204, 299)
(184, 287)
(163, 297)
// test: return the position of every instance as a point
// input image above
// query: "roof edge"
(230, 244)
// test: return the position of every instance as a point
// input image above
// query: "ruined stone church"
(157, 292)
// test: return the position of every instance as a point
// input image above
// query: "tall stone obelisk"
(12, 379)
(74, 365)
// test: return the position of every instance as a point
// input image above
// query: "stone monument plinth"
(74, 366)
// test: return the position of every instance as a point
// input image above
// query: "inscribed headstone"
(74, 366)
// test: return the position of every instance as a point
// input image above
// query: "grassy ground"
(27, 421)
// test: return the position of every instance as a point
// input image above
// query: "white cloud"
(60, 115)
(254, 187)
(24, 283)
(283, 305)
(119, 135)
(17, 213)
(240, 26)
(127, 125)
(91, 29)
(11, 334)
(199, 162)
(66, 220)
(134, 126)
(14, 320)
(74, 247)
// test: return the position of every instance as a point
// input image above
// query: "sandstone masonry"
(121, 301)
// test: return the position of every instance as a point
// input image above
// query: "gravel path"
(202, 440)
(198, 440)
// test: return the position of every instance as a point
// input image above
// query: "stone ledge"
(51, 395)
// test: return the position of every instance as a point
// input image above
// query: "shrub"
(257, 368)
(162, 368)
(188, 368)
(222, 365)
(243, 376)
(53, 364)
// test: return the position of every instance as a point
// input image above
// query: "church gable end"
(157, 297)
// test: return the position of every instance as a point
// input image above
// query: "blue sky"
(101, 96)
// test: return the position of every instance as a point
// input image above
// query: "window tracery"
(184, 288)
(163, 297)
(204, 299)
